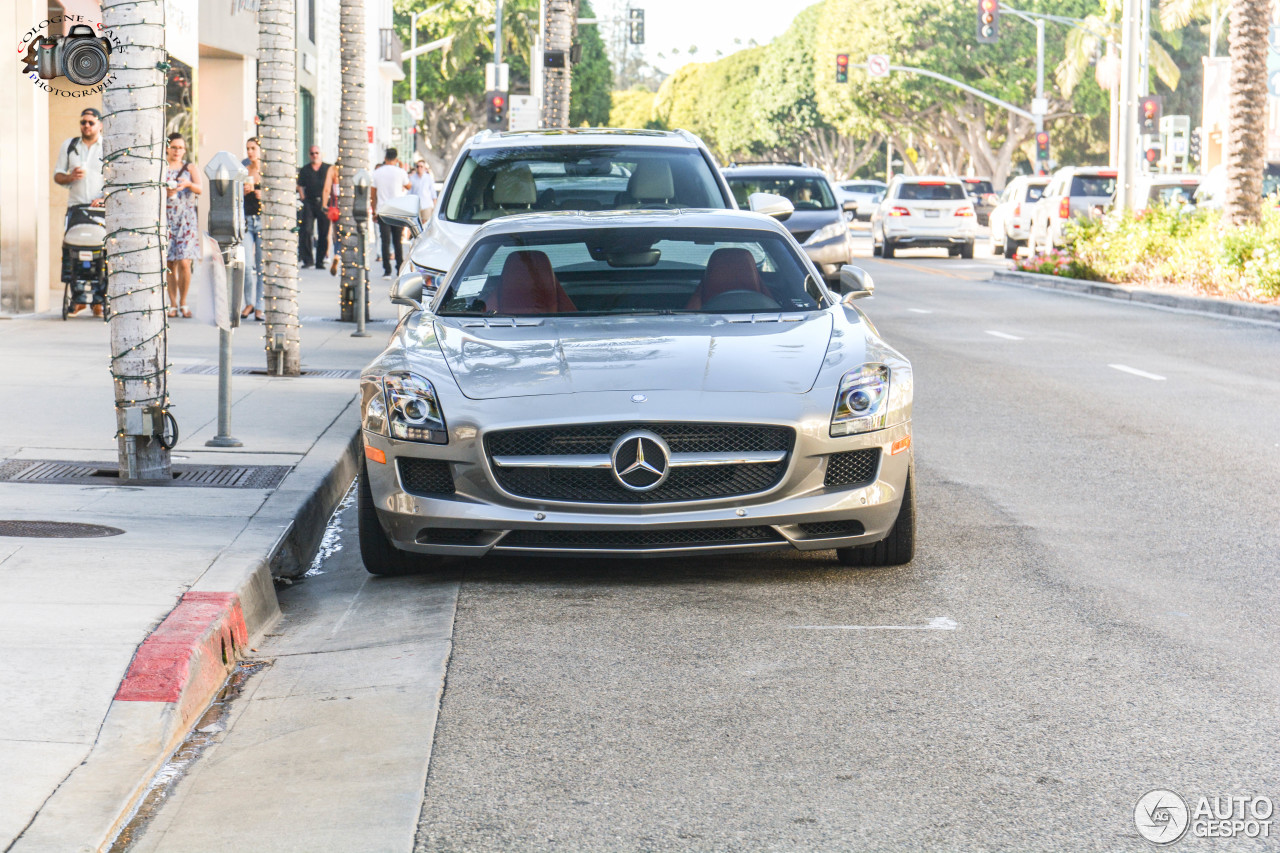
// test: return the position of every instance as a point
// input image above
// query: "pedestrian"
(253, 295)
(423, 184)
(79, 169)
(184, 231)
(389, 182)
(315, 184)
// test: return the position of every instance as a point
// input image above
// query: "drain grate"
(51, 472)
(55, 529)
(387, 322)
(212, 370)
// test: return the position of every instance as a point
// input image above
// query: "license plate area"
(932, 214)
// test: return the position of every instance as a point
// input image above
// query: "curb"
(180, 667)
(1248, 311)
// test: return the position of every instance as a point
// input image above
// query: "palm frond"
(1164, 65)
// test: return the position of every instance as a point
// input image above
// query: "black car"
(984, 197)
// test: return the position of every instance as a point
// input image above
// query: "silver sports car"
(637, 383)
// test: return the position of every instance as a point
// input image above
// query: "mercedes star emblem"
(641, 460)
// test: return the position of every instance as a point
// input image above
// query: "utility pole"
(1131, 24)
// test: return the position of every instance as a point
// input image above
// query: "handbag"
(333, 212)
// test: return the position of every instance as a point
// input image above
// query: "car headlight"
(828, 232)
(863, 402)
(407, 409)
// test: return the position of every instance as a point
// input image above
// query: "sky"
(710, 24)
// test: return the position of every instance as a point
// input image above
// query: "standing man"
(315, 183)
(423, 184)
(390, 182)
(79, 169)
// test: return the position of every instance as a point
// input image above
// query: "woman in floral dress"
(184, 233)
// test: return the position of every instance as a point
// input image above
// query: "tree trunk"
(558, 29)
(133, 144)
(353, 155)
(278, 132)
(1246, 134)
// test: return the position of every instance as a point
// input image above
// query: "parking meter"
(360, 204)
(226, 221)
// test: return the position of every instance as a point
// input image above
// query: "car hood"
(695, 352)
(807, 221)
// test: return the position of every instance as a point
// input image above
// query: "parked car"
(1074, 192)
(820, 222)
(924, 212)
(1168, 189)
(1213, 186)
(866, 193)
(503, 174)
(984, 197)
(1011, 218)
(638, 383)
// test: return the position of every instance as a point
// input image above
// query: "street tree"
(1246, 129)
(133, 163)
(353, 155)
(589, 99)
(278, 132)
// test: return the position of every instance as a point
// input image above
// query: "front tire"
(966, 251)
(896, 549)
(380, 556)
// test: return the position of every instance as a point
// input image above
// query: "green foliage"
(633, 109)
(590, 98)
(786, 104)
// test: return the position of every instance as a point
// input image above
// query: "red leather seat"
(529, 286)
(727, 269)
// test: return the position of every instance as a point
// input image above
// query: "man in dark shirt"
(315, 183)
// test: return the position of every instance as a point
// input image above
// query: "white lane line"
(940, 623)
(1124, 368)
(919, 311)
(1003, 335)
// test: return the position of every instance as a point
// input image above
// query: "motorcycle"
(84, 259)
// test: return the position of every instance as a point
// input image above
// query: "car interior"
(804, 193)
(621, 271)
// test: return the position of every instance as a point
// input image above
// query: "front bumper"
(480, 518)
(832, 253)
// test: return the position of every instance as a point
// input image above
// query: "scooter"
(84, 259)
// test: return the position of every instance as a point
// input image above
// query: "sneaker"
(76, 308)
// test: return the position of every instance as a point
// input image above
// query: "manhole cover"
(56, 529)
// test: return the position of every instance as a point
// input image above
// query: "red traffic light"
(1152, 155)
(842, 60)
(498, 102)
(989, 5)
(1149, 109)
(1042, 138)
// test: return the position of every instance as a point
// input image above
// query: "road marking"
(1124, 368)
(940, 623)
(1003, 335)
(919, 311)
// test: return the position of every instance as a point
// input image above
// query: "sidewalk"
(79, 739)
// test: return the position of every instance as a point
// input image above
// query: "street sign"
(1039, 106)
(416, 109)
(523, 113)
(1178, 147)
(496, 76)
(912, 155)
(878, 65)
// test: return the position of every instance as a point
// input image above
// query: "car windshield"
(931, 191)
(805, 193)
(504, 181)
(1093, 185)
(607, 271)
(977, 188)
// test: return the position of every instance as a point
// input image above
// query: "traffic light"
(635, 23)
(988, 21)
(497, 106)
(1149, 109)
(1042, 146)
(1152, 154)
(1193, 145)
(842, 68)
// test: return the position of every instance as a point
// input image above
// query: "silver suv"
(542, 171)
(1075, 192)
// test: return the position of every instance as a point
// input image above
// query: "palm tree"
(353, 153)
(1176, 14)
(133, 142)
(278, 131)
(1246, 130)
(1084, 42)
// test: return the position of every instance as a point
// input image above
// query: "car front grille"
(639, 540)
(854, 468)
(425, 476)
(597, 485)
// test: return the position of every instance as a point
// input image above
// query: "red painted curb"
(195, 646)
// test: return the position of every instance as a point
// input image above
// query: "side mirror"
(407, 290)
(403, 211)
(777, 206)
(855, 283)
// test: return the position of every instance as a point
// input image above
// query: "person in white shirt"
(423, 184)
(79, 169)
(389, 182)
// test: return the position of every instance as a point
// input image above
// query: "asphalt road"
(1091, 615)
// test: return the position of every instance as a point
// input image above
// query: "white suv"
(924, 211)
(502, 174)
